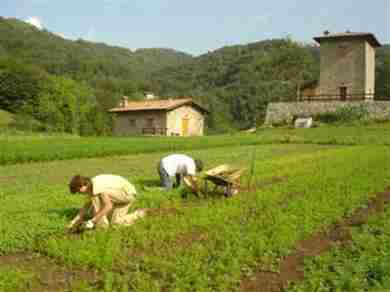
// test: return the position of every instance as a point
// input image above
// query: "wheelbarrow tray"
(224, 176)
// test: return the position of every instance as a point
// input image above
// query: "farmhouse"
(347, 67)
(167, 117)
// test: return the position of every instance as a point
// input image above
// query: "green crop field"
(298, 182)
(21, 149)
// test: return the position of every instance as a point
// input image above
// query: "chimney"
(149, 95)
(125, 101)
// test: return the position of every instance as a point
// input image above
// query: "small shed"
(166, 117)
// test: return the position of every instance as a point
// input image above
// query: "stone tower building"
(347, 65)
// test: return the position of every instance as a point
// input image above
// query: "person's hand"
(88, 224)
(70, 226)
(73, 224)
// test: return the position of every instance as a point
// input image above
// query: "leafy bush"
(345, 114)
(27, 123)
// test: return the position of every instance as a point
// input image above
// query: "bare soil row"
(291, 268)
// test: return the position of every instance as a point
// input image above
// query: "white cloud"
(35, 21)
(60, 35)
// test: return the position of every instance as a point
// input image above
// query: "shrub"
(345, 114)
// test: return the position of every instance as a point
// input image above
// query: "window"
(149, 122)
(132, 122)
(343, 45)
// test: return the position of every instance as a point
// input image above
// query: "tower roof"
(369, 37)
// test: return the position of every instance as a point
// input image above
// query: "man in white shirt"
(108, 197)
(177, 165)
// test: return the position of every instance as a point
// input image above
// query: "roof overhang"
(170, 106)
(369, 37)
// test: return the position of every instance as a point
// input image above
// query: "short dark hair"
(198, 164)
(77, 182)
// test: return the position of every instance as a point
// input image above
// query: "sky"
(199, 26)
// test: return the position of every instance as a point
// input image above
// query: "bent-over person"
(108, 200)
(177, 166)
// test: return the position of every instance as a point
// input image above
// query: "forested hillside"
(238, 81)
(82, 60)
(41, 71)
(68, 85)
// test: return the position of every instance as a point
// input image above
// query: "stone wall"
(134, 123)
(284, 112)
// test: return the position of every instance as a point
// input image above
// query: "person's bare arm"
(80, 216)
(107, 207)
(193, 181)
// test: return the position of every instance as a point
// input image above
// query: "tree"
(19, 83)
(65, 105)
(382, 89)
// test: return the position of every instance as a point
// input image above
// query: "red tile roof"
(157, 104)
(347, 35)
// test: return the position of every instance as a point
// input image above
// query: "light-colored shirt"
(178, 164)
(118, 188)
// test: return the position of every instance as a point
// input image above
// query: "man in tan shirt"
(109, 196)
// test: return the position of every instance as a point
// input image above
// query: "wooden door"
(343, 93)
(184, 126)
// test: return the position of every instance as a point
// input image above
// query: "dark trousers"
(166, 180)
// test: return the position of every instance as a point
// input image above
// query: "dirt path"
(48, 275)
(292, 267)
